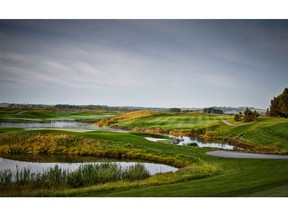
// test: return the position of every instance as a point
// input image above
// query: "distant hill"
(4, 104)
(234, 110)
(226, 110)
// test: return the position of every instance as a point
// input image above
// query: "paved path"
(230, 124)
(229, 154)
(227, 123)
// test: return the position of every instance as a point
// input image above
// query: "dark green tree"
(267, 112)
(279, 105)
(241, 115)
(255, 115)
(248, 115)
(237, 117)
(212, 110)
(274, 107)
(283, 103)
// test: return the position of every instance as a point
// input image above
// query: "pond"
(36, 167)
(64, 125)
(186, 141)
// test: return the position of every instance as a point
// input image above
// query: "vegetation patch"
(85, 175)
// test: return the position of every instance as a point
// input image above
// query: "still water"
(184, 141)
(56, 124)
(36, 167)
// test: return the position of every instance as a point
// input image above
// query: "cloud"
(147, 59)
(55, 65)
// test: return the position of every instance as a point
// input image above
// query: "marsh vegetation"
(85, 175)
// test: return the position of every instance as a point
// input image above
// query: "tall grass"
(5, 177)
(85, 175)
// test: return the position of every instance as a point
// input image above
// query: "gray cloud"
(143, 62)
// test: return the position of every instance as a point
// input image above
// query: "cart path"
(229, 154)
(227, 123)
(230, 124)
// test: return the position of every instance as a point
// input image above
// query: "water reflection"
(186, 141)
(56, 124)
(59, 125)
(37, 167)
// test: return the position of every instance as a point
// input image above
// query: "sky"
(151, 63)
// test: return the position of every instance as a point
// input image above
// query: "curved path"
(227, 123)
(230, 124)
(229, 154)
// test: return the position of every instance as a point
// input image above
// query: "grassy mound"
(125, 117)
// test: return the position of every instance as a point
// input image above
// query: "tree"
(237, 117)
(279, 105)
(283, 103)
(255, 115)
(212, 110)
(267, 112)
(248, 115)
(274, 107)
(241, 115)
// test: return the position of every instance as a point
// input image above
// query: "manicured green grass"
(266, 131)
(174, 121)
(42, 115)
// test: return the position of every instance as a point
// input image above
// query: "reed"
(5, 177)
(85, 175)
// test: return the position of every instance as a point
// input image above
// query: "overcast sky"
(155, 63)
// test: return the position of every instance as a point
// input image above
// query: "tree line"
(212, 110)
